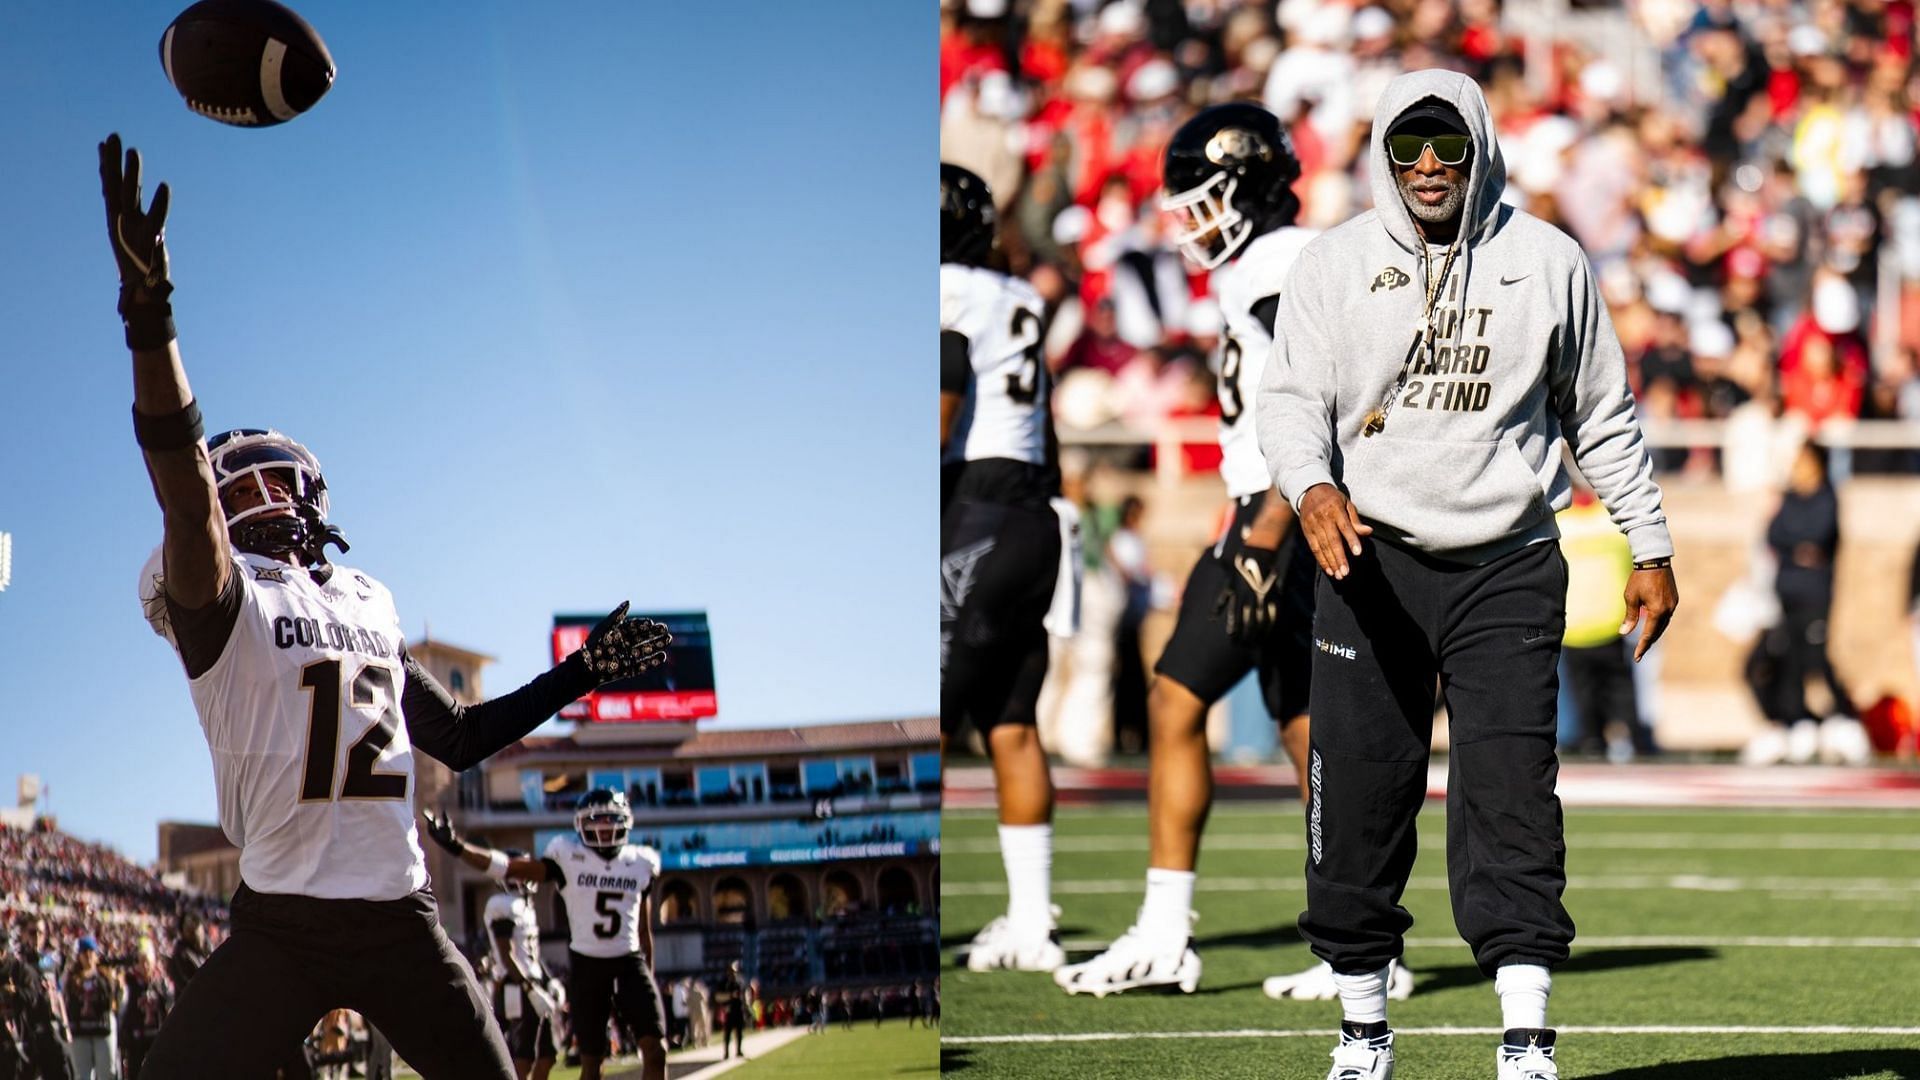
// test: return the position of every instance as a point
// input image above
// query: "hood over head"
(1485, 182)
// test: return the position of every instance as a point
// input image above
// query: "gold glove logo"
(1260, 583)
(1389, 279)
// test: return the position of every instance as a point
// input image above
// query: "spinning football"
(249, 63)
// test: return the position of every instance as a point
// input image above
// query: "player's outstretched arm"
(440, 830)
(646, 928)
(462, 736)
(166, 421)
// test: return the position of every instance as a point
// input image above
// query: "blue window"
(819, 776)
(712, 782)
(926, 769)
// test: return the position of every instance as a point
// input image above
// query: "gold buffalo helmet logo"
(1391, 278)
(1231, 146)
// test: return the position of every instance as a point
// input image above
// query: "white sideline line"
(1288, 841)
(1291, 807)
(1892, 888)
(1642, 941)
(1327, 1033)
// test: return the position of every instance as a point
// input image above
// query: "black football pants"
(1490, 637)
(290, 959)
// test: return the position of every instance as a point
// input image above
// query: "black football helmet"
(966, 217)
(603, 819)
(1229, 176)
(244, 456)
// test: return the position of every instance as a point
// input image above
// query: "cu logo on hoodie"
(1391, 278)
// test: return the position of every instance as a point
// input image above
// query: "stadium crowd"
(1742, 175)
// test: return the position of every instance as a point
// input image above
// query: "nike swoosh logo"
(1504, 280)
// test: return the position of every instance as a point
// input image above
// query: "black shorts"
(1201, 657)
(598, 985)
(529, 1035)
(998, 565)
(291, 959)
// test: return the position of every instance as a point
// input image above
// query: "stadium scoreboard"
(678, 691)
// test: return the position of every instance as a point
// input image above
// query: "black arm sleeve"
(462, 736)
(1267, 309)
(955, 367)
(202, 633)
(554, 874)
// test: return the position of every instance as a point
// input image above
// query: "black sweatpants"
(1490, 636)
(291, 959)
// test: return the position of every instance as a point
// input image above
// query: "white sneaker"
(1003, 946)
(1768, 746)
(1803, 741)
(1316, 984)
(1529, 1062)
(1364, 1059)
(1134, 960)
(1843, 741)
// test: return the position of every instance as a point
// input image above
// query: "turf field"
(1713, 944)
(864, 1053)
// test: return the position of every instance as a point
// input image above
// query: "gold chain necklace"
(1376, 421)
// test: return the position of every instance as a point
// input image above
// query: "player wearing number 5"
(606, 884)
(311, 710)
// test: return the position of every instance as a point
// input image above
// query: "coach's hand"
(1332, 527)
(139, 243)
(619, 647)
(440, 831)
(1651, 597)
(1250, 602)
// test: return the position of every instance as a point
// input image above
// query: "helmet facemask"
(1211, 229)
(293, 525)
(603, 820)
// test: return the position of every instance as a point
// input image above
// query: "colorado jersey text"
(603, 896)
(302, 716)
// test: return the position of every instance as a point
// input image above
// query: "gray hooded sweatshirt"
(1523, 360)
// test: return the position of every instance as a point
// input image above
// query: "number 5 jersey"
(603, 895)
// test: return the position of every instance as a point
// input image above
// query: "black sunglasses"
(1406, 150)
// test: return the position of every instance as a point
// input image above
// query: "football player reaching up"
(1248, 604)
(606, 884)
(1000, 553)
(312, 711)
(524, 1001)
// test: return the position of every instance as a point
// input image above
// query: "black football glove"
(440, 831)
(1250, 601)
(619, 647)
(139, 246)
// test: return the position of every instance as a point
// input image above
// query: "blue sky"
(621, 303)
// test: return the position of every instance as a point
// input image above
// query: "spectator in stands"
(148, 1000)
(93, 997)
(699, 1012)
(1127, 554)
(1805, 539)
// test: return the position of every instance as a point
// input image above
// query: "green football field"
(1713, 945)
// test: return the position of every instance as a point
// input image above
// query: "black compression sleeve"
(202, 633)
(955, 367)
(1267, 309)
(555, 875)
(462, 736)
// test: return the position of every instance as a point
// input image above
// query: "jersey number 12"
(372, 684)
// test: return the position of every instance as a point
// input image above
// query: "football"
(249, 63)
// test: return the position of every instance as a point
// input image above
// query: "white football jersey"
(603, 895)
(1005, 411)
(302, 716)
(524, 942)
(1244, 346)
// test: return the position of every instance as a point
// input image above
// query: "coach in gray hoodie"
(1432, 358)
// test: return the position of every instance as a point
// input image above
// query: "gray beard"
(1440, 213)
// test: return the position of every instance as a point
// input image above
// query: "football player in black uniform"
(1000, 549)
(312, 710)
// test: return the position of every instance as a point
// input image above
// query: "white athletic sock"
(1523, 990)
(1167, 913)
(1363, 996)
(1027, 852)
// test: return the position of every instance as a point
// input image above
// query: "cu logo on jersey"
(1391, 278)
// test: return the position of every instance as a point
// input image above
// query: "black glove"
(1250, 601)
(619, 647)
(440, 831)
(139, 246)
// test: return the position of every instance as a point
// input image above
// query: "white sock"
(1364, 996)
(1027, 852)
(1523, 990)
(1167, 913)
